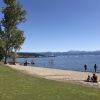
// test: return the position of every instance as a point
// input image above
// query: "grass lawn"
(15, 85)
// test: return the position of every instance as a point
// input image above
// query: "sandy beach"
(57, 74)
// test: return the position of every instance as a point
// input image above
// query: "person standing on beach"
(85, 67)
(95, 67)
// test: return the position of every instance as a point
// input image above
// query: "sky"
(60, 25)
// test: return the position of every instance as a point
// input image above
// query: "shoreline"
(58, 74)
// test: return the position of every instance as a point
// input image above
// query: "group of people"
(92, 79)
(95, 67)
(26, 63)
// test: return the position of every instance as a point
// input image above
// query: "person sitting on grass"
(94, 78)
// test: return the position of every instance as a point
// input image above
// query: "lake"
(70, 62)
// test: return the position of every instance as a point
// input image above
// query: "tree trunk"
(5, 59)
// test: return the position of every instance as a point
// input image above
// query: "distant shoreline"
(54, 54)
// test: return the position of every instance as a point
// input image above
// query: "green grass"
(15, 85)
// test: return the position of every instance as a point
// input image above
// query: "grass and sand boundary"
(57, 74)
(15, 85)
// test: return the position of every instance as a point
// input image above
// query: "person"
(88, 78)
(95, 67)
(32, 62)
(94, 78)
(85, 67)
(25, 63)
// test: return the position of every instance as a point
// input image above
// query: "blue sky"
(61, 25)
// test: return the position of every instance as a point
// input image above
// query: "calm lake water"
(66, 62)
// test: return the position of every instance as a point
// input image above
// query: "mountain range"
(53, 54)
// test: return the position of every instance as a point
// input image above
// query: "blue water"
(66, 62)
